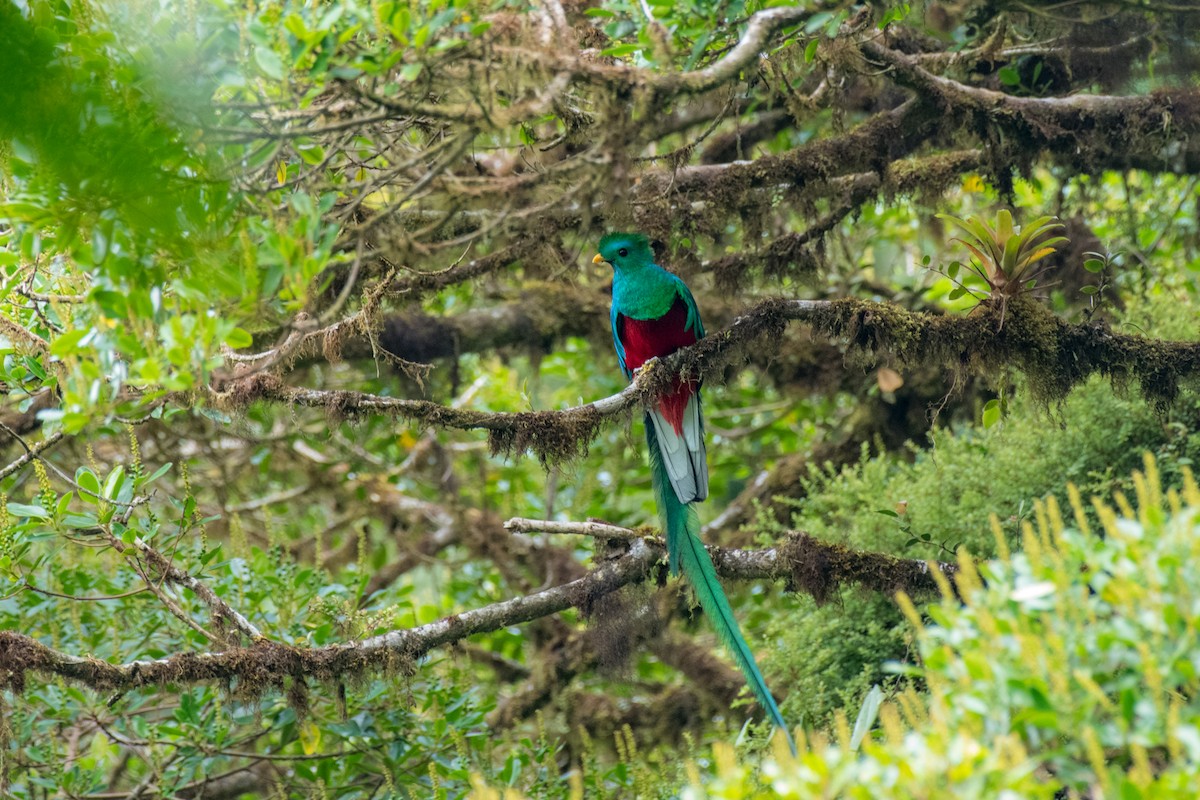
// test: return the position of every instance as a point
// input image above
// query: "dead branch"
(593, 528)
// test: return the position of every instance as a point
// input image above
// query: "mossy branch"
(878, 141)
(1053, 354)
(805, 563)
(1143, 131)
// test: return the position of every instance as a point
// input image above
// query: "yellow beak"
(597, 259)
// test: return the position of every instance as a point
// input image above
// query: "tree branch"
(807, 564)
(31, 453)
(1080, 127)
(763, 25)
(880, 140)
(1055, 355)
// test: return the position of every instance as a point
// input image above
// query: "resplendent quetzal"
(653, 315)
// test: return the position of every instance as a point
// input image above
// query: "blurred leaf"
(866, 716)
(991, 413)
(269, 62)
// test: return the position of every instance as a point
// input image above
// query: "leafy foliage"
(1006, 253)
(1073, 658)
(372, 201)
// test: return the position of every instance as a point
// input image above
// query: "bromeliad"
(653, 315)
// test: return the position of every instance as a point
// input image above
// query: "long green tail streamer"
(686, 554)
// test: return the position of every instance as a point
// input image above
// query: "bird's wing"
(614, 320)
(694, 322)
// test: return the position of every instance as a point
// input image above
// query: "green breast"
(647, 293)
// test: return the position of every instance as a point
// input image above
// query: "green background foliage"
(364, 196)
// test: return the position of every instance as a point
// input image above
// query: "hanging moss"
(551, 436)
(1054, 355)
(819, 568)
(246, 672)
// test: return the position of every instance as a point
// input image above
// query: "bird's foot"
(646, 366)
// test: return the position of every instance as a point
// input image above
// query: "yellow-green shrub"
(1072, 664)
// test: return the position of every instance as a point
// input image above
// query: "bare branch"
(761, 28)
(31, 453)
(590, 528)
(221, 611)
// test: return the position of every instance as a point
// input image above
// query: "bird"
(653, 314)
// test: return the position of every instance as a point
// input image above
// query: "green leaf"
(87, 481)
(73, 421)
(25, 510)
(158, 473)
(1008, 263)
(112, 486)
(209, 555)
(1035, 228)
(421, 37)
(621, 50)
(34, 365)
(1004, 226)
(311, 155)
(866, 716)
(1090, 289)
(81, 521)
(1093, 265)
(269, 62)
(991, 413)
(67, 343)
(810, 50)
(294, 24)
(239, 338)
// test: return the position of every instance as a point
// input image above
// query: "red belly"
(644, 339)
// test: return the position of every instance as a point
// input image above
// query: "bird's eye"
(622, 252)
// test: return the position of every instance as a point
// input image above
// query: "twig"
(598, 530)
(31, 453)
(219, 609)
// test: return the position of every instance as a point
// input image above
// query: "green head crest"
(625, 249)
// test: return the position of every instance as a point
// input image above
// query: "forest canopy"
(319, 475)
